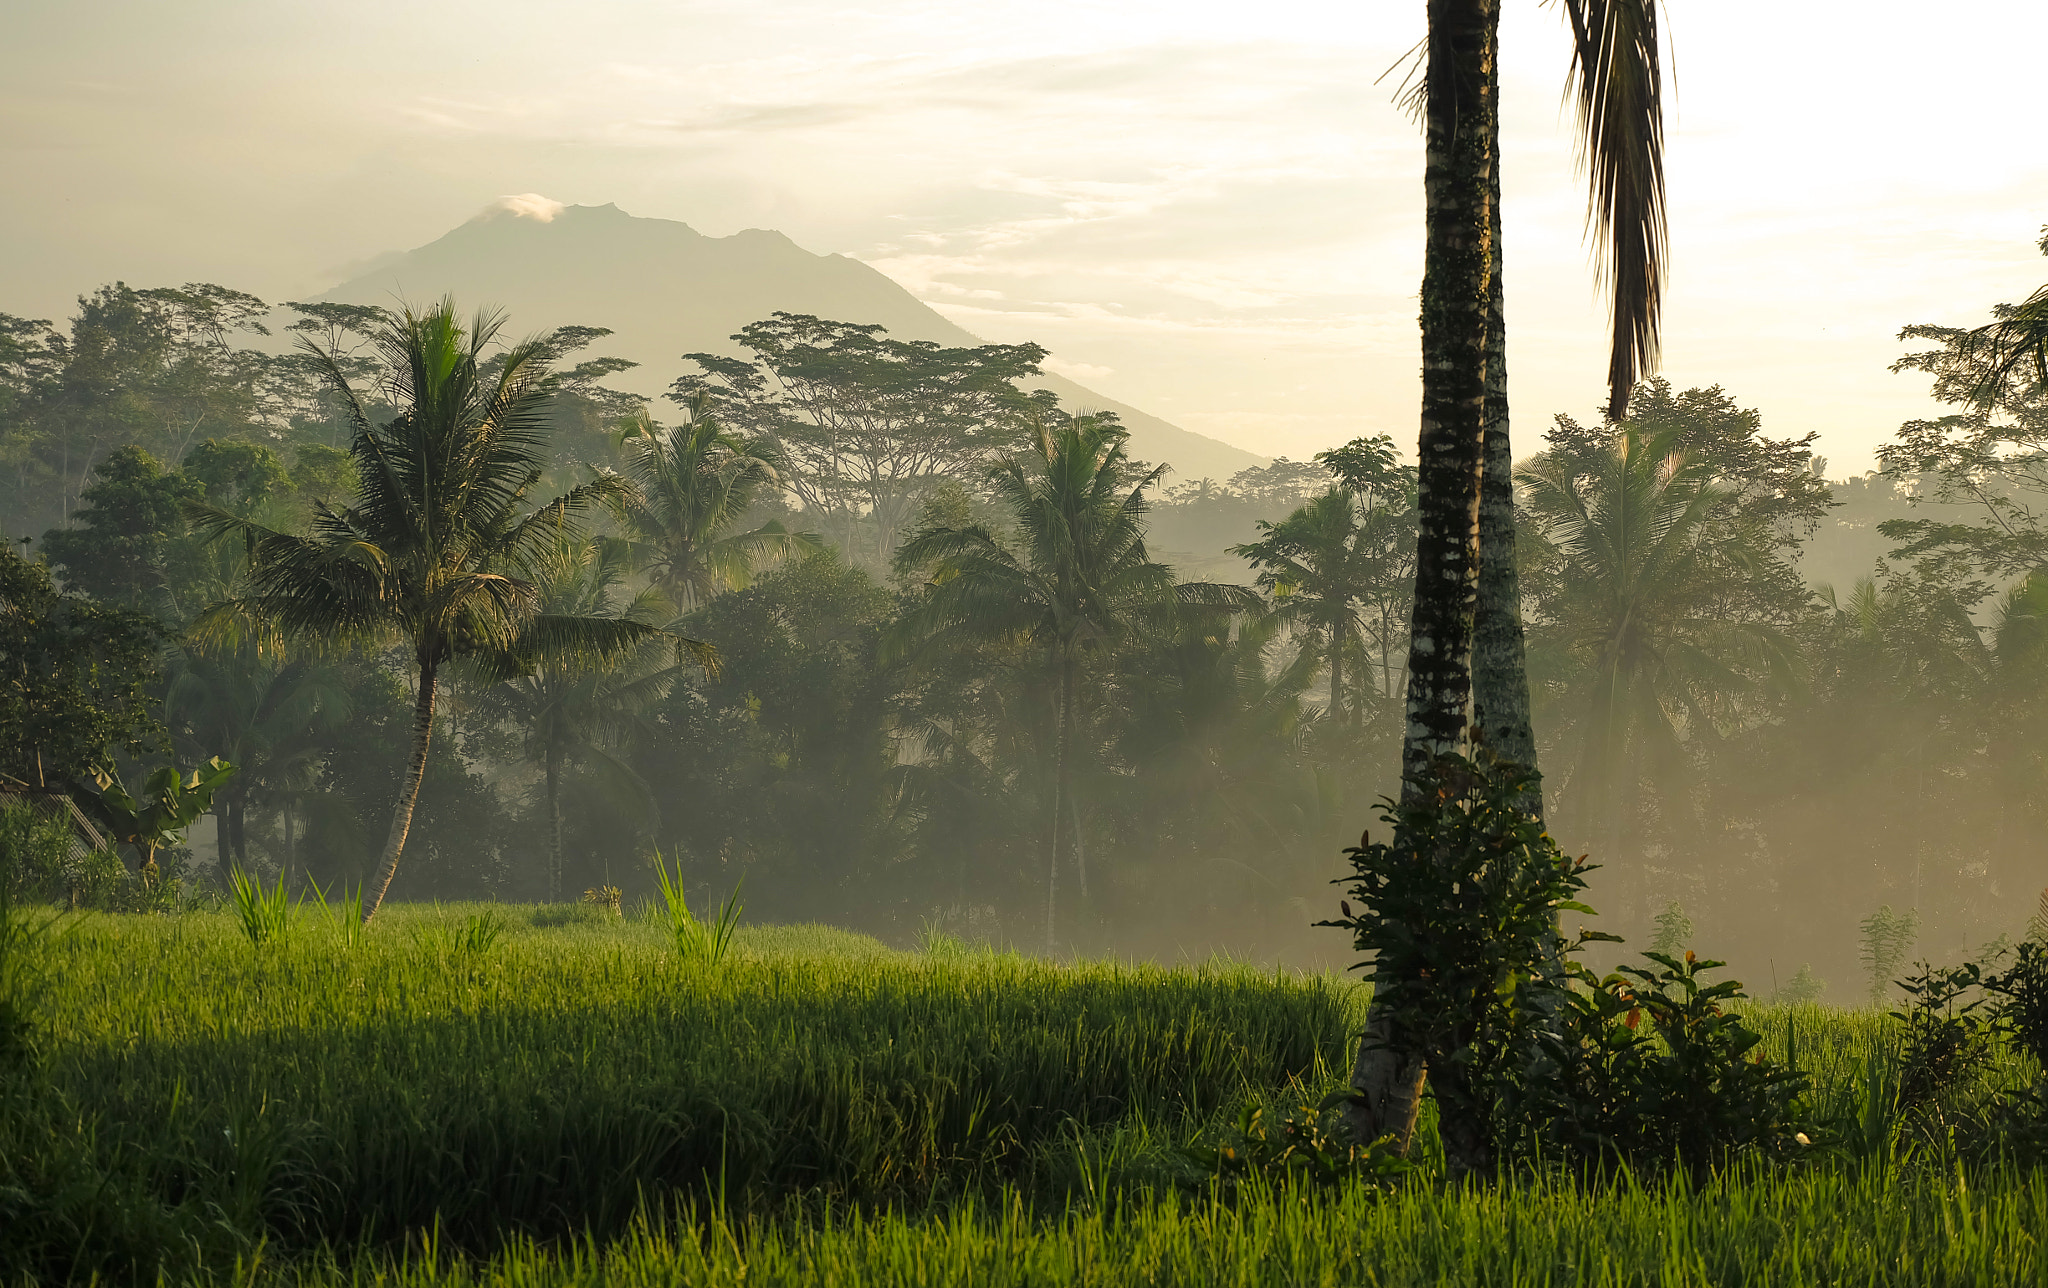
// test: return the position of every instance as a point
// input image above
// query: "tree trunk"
(1337, 675)
(1460, 127)
(238, 827)
(555, 822)
(1061, 735)
(1500, 672)
(408, 791)
(1080, 850)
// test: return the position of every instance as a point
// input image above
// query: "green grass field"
(479, 1094)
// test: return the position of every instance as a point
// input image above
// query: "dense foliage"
(1777, 758)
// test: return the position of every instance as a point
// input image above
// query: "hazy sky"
(1207, 210)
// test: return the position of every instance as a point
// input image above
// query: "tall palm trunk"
(1461, 128)
(1500, 671)
(1337, 674)
(554, 776)
(1061, 734)
(238, 827)
(408, 791)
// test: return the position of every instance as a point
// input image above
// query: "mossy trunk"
(1500, 669)
(1461, 125)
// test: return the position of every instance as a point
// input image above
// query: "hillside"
(666, 289)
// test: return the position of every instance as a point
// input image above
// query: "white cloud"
(528, 205)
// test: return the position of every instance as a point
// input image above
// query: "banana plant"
(170, 803)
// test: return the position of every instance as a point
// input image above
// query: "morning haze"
(915, 644)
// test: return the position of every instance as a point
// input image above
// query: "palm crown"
(1075, 574)
(696, 482)
(432, 549)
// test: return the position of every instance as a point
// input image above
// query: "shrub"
(1887, 938)
(2020, 1005)
(1460, 913)
(1688, 1085)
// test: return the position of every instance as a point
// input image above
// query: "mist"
(1804, 704)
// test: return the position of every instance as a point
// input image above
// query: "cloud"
(528, 205)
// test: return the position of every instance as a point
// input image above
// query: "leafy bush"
(2020, 1007)
(36, 848)
(1941, 1078)
(1945, 1042)
(1460, 913)
(1689, 1085)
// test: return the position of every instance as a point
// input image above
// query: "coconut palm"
(1466, 613)
(1650, 556)
(1618, 88)
(430, 551)
(1074, 578)
(567, 708)
(1321, 564)
(696, 481)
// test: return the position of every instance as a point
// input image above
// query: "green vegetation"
(1713, 729)
(467, 1070)
(463, 1094)
(1013, 721)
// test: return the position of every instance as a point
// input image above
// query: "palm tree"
(568, 708)
(1212, 732)
(1465, 458)
(1320, 564)
(1646, 544)
(1464, 404)
(1075, 577)
(429, 553)
(696, 481)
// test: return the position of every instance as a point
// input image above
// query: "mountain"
(666, 289)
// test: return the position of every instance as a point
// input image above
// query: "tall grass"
(265, 916)
(1830, 1225)
(553, 1085)
(473, 1093)
(696, 939)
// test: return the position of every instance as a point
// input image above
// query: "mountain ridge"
(666, 289)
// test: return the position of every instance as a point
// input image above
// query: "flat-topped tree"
(432, 550)
(866, 424)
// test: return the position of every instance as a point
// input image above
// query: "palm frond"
(1617, 87)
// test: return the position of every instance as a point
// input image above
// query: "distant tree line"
(880, 628)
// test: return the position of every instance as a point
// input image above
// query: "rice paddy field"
(492, 1094)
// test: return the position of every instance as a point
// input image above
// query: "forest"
(855, 683)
